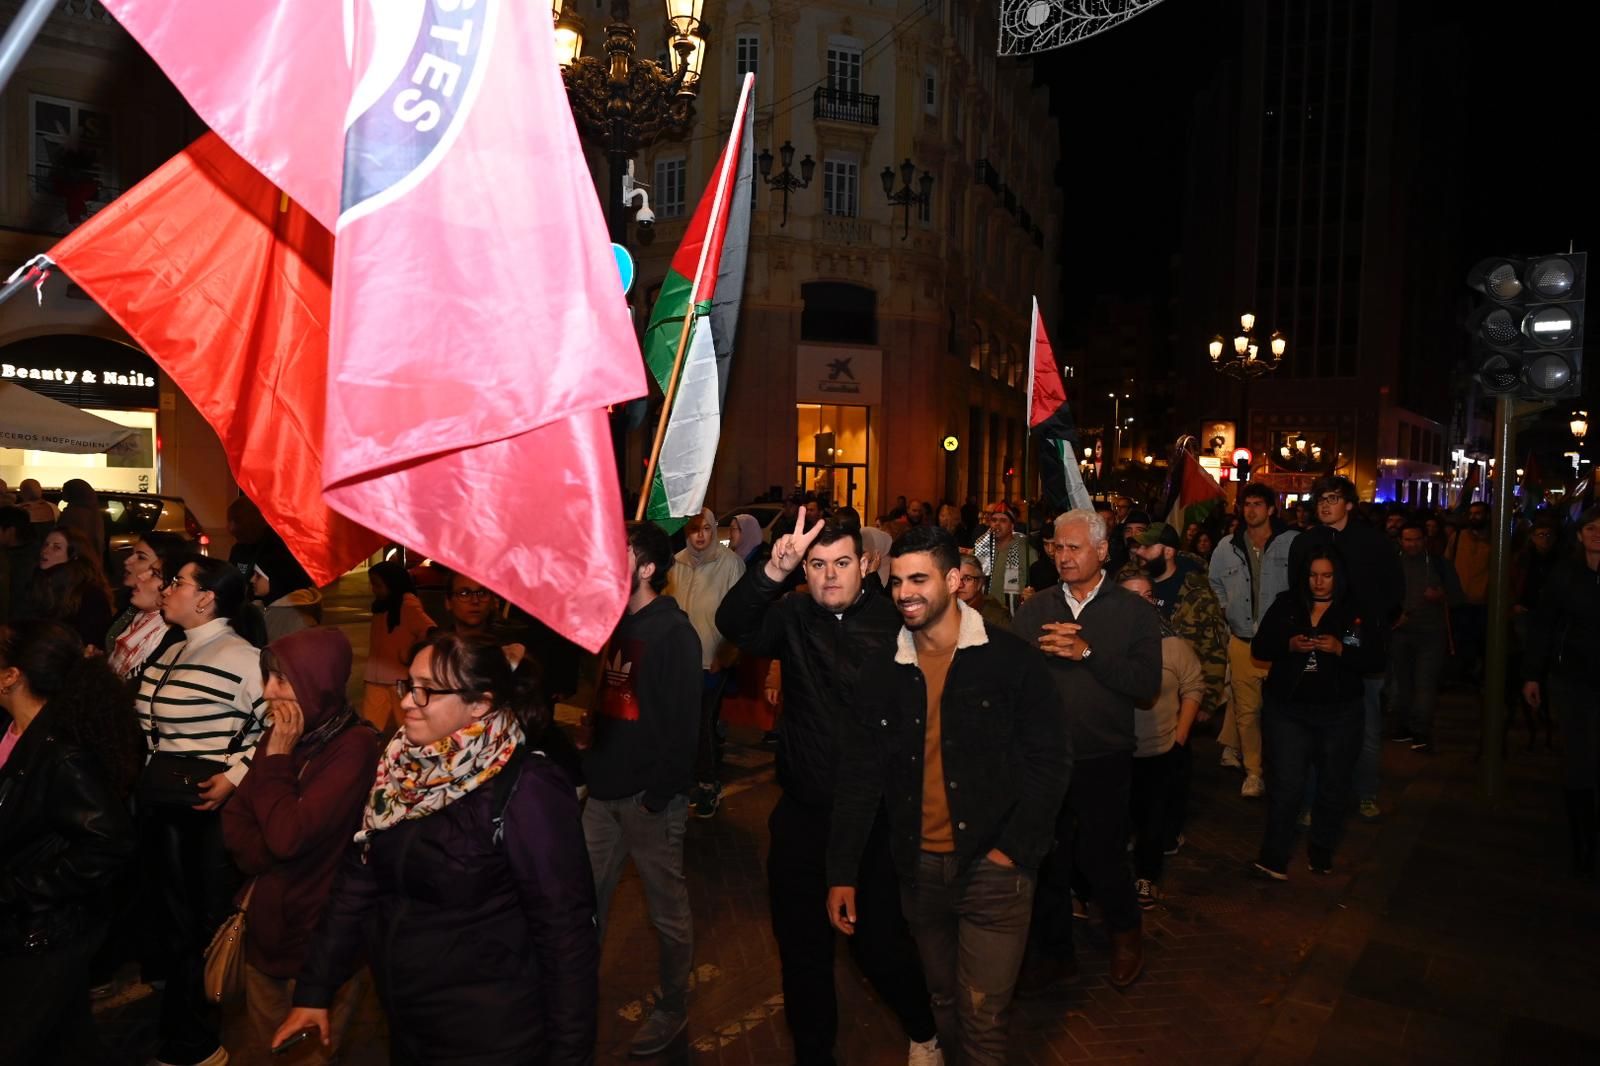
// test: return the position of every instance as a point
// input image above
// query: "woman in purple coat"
(469, 891)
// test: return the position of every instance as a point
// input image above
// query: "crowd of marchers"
(985, 731)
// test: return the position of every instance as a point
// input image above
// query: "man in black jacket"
(1376, 584)
(959, 732)
(640, 769)
(823, 637)
(1103, 645)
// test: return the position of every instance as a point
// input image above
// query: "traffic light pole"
(1491, 750)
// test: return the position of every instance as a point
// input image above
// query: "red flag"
(478, 330)
(1047, 393)
(228, 286)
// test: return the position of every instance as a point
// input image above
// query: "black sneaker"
(1422, 744)
(1402, 736)
(704, 799)
(1319, 864)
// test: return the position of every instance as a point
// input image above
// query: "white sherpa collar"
(972, 635)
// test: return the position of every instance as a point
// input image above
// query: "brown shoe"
(1127, 957)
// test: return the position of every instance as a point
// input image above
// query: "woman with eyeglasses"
(200, 705)
(469, 892)
(398, 624)
(289, 823)
(142, 632)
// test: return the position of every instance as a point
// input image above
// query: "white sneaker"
(1231, 759)
(927, 1053)
(1253, 787)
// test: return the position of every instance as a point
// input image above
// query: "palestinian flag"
(1197, 496)
(689, 342)
(1050, 419)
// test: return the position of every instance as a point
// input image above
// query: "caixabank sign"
(83, 371)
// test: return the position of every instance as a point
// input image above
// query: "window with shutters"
(670, 177)
(841, 187)
(844, 69)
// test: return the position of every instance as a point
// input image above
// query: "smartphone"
(298, 1038)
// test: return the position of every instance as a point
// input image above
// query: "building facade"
(1321, 133)
(870, 334)
(85, 116)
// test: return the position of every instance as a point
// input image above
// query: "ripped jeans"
(971, 928)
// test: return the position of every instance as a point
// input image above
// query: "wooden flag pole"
(730, 161)
(666, 411)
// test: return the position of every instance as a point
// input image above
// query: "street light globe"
(1149, 459)
(569, 41)
(1241, 343)
(1247, 321)
(1579, 424)
(1279, 344)
(684, 15)
(1215, 347)
(691, 51)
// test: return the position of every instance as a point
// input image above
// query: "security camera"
(632, 190)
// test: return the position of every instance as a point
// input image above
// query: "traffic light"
(1527, 333)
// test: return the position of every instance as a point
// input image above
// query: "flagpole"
(20, 34)
(1027, 439)
(729, 161)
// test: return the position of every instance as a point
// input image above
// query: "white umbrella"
(38, 423)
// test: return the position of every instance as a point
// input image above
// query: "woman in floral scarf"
(469, 888)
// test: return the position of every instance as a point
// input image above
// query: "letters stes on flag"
(477, 329)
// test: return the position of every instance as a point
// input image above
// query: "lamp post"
(1116, 425)
(1246, 361)
(785, 181)
(905, 199)
(625, 103)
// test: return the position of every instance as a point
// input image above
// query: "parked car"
(129, 515)
(766, 514)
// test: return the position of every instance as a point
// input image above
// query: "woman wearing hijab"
(289, 822)
(744, 538)
(141, 632)
(398, 624)
(469, 892)
(69, 753)
(701, 574)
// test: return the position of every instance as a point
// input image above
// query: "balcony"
(836, 105)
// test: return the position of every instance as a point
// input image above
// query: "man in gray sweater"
(1103, 645)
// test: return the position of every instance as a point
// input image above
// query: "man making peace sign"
(822, 636)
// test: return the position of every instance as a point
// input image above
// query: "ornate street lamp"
(1579, 425)
(625, 103)
(1246, 360)
(906, 199)
(785, 181)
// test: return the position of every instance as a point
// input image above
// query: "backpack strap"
(505, 785)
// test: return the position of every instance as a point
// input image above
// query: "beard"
(1154, 567)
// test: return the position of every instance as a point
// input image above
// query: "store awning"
(29, 420)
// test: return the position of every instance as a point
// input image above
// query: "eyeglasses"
(420, 694)
(1330, 497)
(177, 581)
(975, 579)
(472, 594)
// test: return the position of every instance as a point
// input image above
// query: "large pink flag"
(478, 327)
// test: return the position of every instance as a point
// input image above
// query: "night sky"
(1125, 100)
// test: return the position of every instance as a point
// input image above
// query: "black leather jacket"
(64, 838)
(822, 657)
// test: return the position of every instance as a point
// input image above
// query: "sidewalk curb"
(1311, 997)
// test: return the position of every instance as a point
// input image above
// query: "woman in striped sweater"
(201, 700)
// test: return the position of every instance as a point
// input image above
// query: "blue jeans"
(1298, 740)
(971, 928)
(616, 829)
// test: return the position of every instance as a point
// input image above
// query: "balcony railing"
(841, 229)
(836, 105)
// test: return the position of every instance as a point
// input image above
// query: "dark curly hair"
(479, 665)
(88, 703)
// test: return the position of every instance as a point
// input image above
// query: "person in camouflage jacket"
(1182, 589)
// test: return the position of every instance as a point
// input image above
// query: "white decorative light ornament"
(1028, 26)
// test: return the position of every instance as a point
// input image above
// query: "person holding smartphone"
(1321, 649)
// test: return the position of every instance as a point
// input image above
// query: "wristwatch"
(1087, 651)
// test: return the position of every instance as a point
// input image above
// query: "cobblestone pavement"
(1448, 933)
